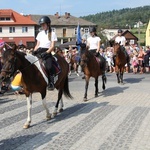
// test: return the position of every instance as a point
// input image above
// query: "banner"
(79, 39)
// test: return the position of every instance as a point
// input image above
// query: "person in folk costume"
(45, 45)
(122, 40)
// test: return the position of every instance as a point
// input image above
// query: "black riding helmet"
(92, 29)
(44, 19)
(120, 31)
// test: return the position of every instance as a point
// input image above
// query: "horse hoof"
(61, 110)
(48, 118)
(26, 126)
(96, 95)
(85, 99)
(54, 114)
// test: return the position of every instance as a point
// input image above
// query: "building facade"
(16, 28)
(22, 29)
(148, 35)
(65, 26)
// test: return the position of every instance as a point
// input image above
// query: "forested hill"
(120, 18)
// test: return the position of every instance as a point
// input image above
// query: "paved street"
(119, 119)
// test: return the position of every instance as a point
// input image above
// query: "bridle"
(12, 69)
(117, 50)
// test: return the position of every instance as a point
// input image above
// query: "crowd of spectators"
(139, 57)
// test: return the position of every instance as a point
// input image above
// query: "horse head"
(8, 63)
(85, 56)
(116, 47)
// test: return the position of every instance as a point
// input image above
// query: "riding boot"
(51, 83)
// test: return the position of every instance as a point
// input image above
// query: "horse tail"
(66, 89)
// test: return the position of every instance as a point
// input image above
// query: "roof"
(17, 18)
(63, 20)
(67, 44)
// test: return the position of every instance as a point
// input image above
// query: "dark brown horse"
(120, 61)
(34, 78)
(92, 67)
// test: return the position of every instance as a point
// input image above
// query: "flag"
(2, 43)
(79, 39)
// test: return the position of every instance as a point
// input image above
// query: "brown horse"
(34, 78)
(74, 63)
(120, 61)
(92, 67)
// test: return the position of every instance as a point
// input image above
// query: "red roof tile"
(17, 18)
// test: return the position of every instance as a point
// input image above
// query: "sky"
(76, 8)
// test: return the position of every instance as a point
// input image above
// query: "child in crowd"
(135, 63)
(16, 84)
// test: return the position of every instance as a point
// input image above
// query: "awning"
(67, 44)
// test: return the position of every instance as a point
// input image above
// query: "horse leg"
(76, 68)
(60, 92)
(61, 105)
(121, 75)
(29, 106)
(117, 74)
(86, 88)
(48, 115)
(96, 87)
(104, 80)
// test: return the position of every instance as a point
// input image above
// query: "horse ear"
(14, 47)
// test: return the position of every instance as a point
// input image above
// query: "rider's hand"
(44, 54)
(34, 52)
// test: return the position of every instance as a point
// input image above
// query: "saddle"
(100, 60)
(55, 66)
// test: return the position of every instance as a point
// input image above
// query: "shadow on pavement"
(13, 143)
(133, 80)
(113, 91)
(5, 100)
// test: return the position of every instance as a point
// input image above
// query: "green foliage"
(123, 18)
(120, 18)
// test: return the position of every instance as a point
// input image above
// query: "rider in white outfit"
(93, 42)
(122, 40)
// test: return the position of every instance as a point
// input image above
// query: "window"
(86, 30)
(131, 41)
(11, 29)
(24, 29)
(64, 32)
(7, 18)
(75, 31)
(4, 18)
(0, 29)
